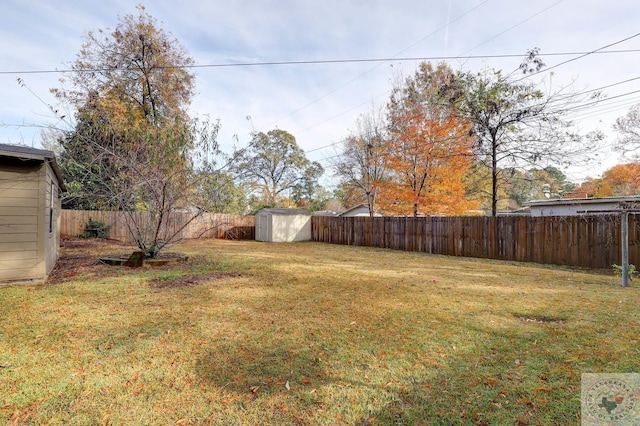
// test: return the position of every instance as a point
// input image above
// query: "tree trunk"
(494, 178)
(371, 197)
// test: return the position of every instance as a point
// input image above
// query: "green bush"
(618, 270)
(95, 229)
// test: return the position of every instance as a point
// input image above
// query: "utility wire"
(577, 108)
(334, 61)
(598, 112)
(598, 89)
(579, 57)
(485, 42)
(514, 26)
(387, 92)
(394, 57)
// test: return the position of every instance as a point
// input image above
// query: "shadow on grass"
(266, 367)
(505, 378)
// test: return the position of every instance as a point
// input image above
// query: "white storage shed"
(283, 225)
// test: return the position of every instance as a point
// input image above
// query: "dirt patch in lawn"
(80, 258)
(82, 263)
(89, 243)
(542, 319)
(189, 280)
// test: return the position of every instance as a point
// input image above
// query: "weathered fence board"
(208, 225)
(587, 241)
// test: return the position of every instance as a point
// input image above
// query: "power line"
(576, 109)
(340, 61)
(386, 92)
(549, 54)
(579, 106)
(394, 57)
(618, 106)
(598, 89)
(445, 26)
(327, 146)
(582, 55)
(596, 102)
(345, 112)
(514, 26)
(40, 126)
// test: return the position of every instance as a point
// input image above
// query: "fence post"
(624, 225)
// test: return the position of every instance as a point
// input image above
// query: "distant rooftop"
(592, 200)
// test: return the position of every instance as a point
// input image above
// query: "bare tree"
(629, 128)
(146, 181)
(362, 164)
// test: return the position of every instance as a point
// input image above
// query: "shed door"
(262, 231)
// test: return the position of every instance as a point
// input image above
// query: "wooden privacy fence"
(208, 225)
(587, 241)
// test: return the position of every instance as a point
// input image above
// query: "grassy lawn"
(310, 334)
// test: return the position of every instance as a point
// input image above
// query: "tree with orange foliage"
(623, 179)
(587, 189)
(620, 180)
(429, 150)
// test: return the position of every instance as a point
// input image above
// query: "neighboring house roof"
(27, 153)
(579, 206)
(583, 201)
(353, 209)
(325, 213)
(284, 212)
(523, 211)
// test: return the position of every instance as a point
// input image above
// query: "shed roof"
(284, 212)
(28, 153)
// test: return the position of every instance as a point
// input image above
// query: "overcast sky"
(319, 102)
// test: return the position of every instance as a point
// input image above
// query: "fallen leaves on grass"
(491, 382)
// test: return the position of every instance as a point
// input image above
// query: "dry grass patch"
(296, 334)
